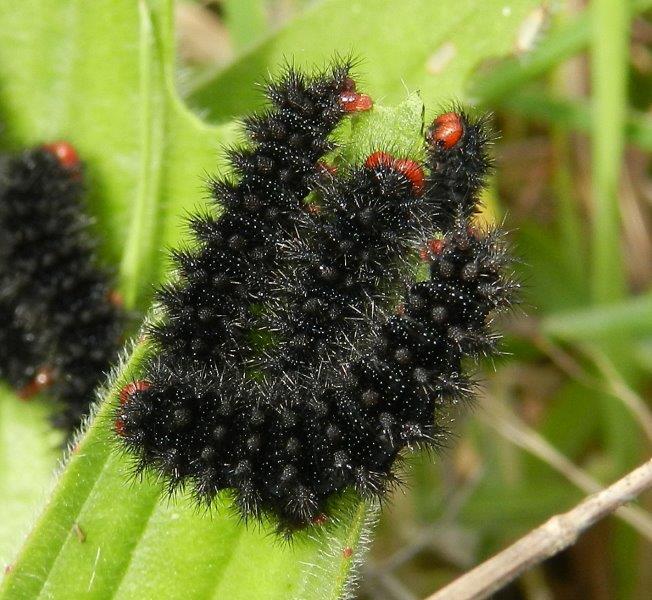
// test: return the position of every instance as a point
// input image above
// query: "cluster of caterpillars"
(60, 320)
(296, 356)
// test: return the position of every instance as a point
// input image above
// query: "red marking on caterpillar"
(379, 159)
(119, 426)
(410, 168)
(65, 153)
(436, 246)
(43, 379)
(320, 519)
(126, 395)
(128, 391)
(313, 208)
(352, 101)
(347, 552)
(446, 130)
(413, 171)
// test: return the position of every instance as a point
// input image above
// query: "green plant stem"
(609, 55)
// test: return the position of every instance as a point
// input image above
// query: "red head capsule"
(132, 388)
(413, 171)
(379, 159)
(410, 168)
(65, 153)
(43, 379)
(436, 246)
(352, 101)
(446, 130)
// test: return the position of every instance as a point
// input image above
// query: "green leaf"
(397, 130)
(629, 317)
(429, 46)
(28, 452)
(246, 21)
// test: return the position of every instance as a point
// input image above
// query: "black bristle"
(62, 324)
(340, 264)
(236, 251)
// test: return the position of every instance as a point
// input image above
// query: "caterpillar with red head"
(60, 321)
(340, 384)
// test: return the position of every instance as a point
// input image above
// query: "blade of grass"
(609, 68)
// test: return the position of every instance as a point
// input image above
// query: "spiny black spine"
(61, 328)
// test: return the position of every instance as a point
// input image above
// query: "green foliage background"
(104, 76)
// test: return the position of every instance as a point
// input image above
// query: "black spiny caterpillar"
(345, 380)
(61, 323)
